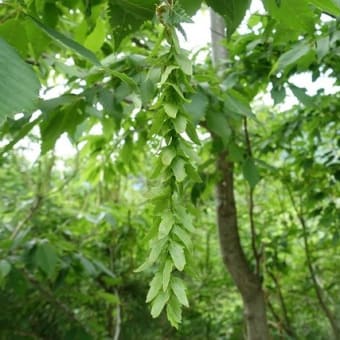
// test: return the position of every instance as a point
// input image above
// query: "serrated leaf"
(177, 254)
(250, 172)
(96, 38)
(183, 236)
(156, 248)
(166, 224)
(180, 123)
(178, 287)
(159, 303)
(174, 312)
(167, 274)
(178, 168)
(19, 86)
(155, 287)
(45, 257)
(171, 109)
(168, 155)
(67, 42)
(233, 12)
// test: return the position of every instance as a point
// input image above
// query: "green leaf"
(159, 303)
(19, 86)
(183, 236)
(237, 103)
(180, 123)
(95, 39)
(127, 16)
(174, 311)
(291, 57)
(171, 109)
(166, 73)
(197, 107)
(184, 63)
(128, 80)
(191, 6)
(192, 133)
(293, 17)
(67, 42)
(300, 94)
(185, 218)
(177, 255)
(166, 224)
(168, 154)
(233, 12)
(328, 6)
(167, 274)
(156, 248)
(5, 268)
(218, 124)
(103, 269)
(178, 168)
(250, 172)
(178, 288)
(45, 257)
(155, 287)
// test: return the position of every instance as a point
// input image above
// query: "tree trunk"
(247, 282)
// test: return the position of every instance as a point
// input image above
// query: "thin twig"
(251, 205)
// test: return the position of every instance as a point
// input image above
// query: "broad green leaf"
(166, 224)
(5, 268)
(328, 6)
(168, 154)
(178, 288)
(197, 107)
(67, 42)
(156, 248)
(167, 274)
(19, 86)
(235, 102)
(322, 47)
(183, 236)
(291, 57)
(174, 311)
(155, 287)
(180, 124)
(171, 109)
(233, 12)
(191, 6)
(87, 265)
(184, 217)
(300, 94)
(96, 38)
(218, 125)
(158, 303)
(178, 167)
(278, 93)
(177, 255)
(250, 172)
(293, 17)
(184, 63)
(127, 16)
(45, 257)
